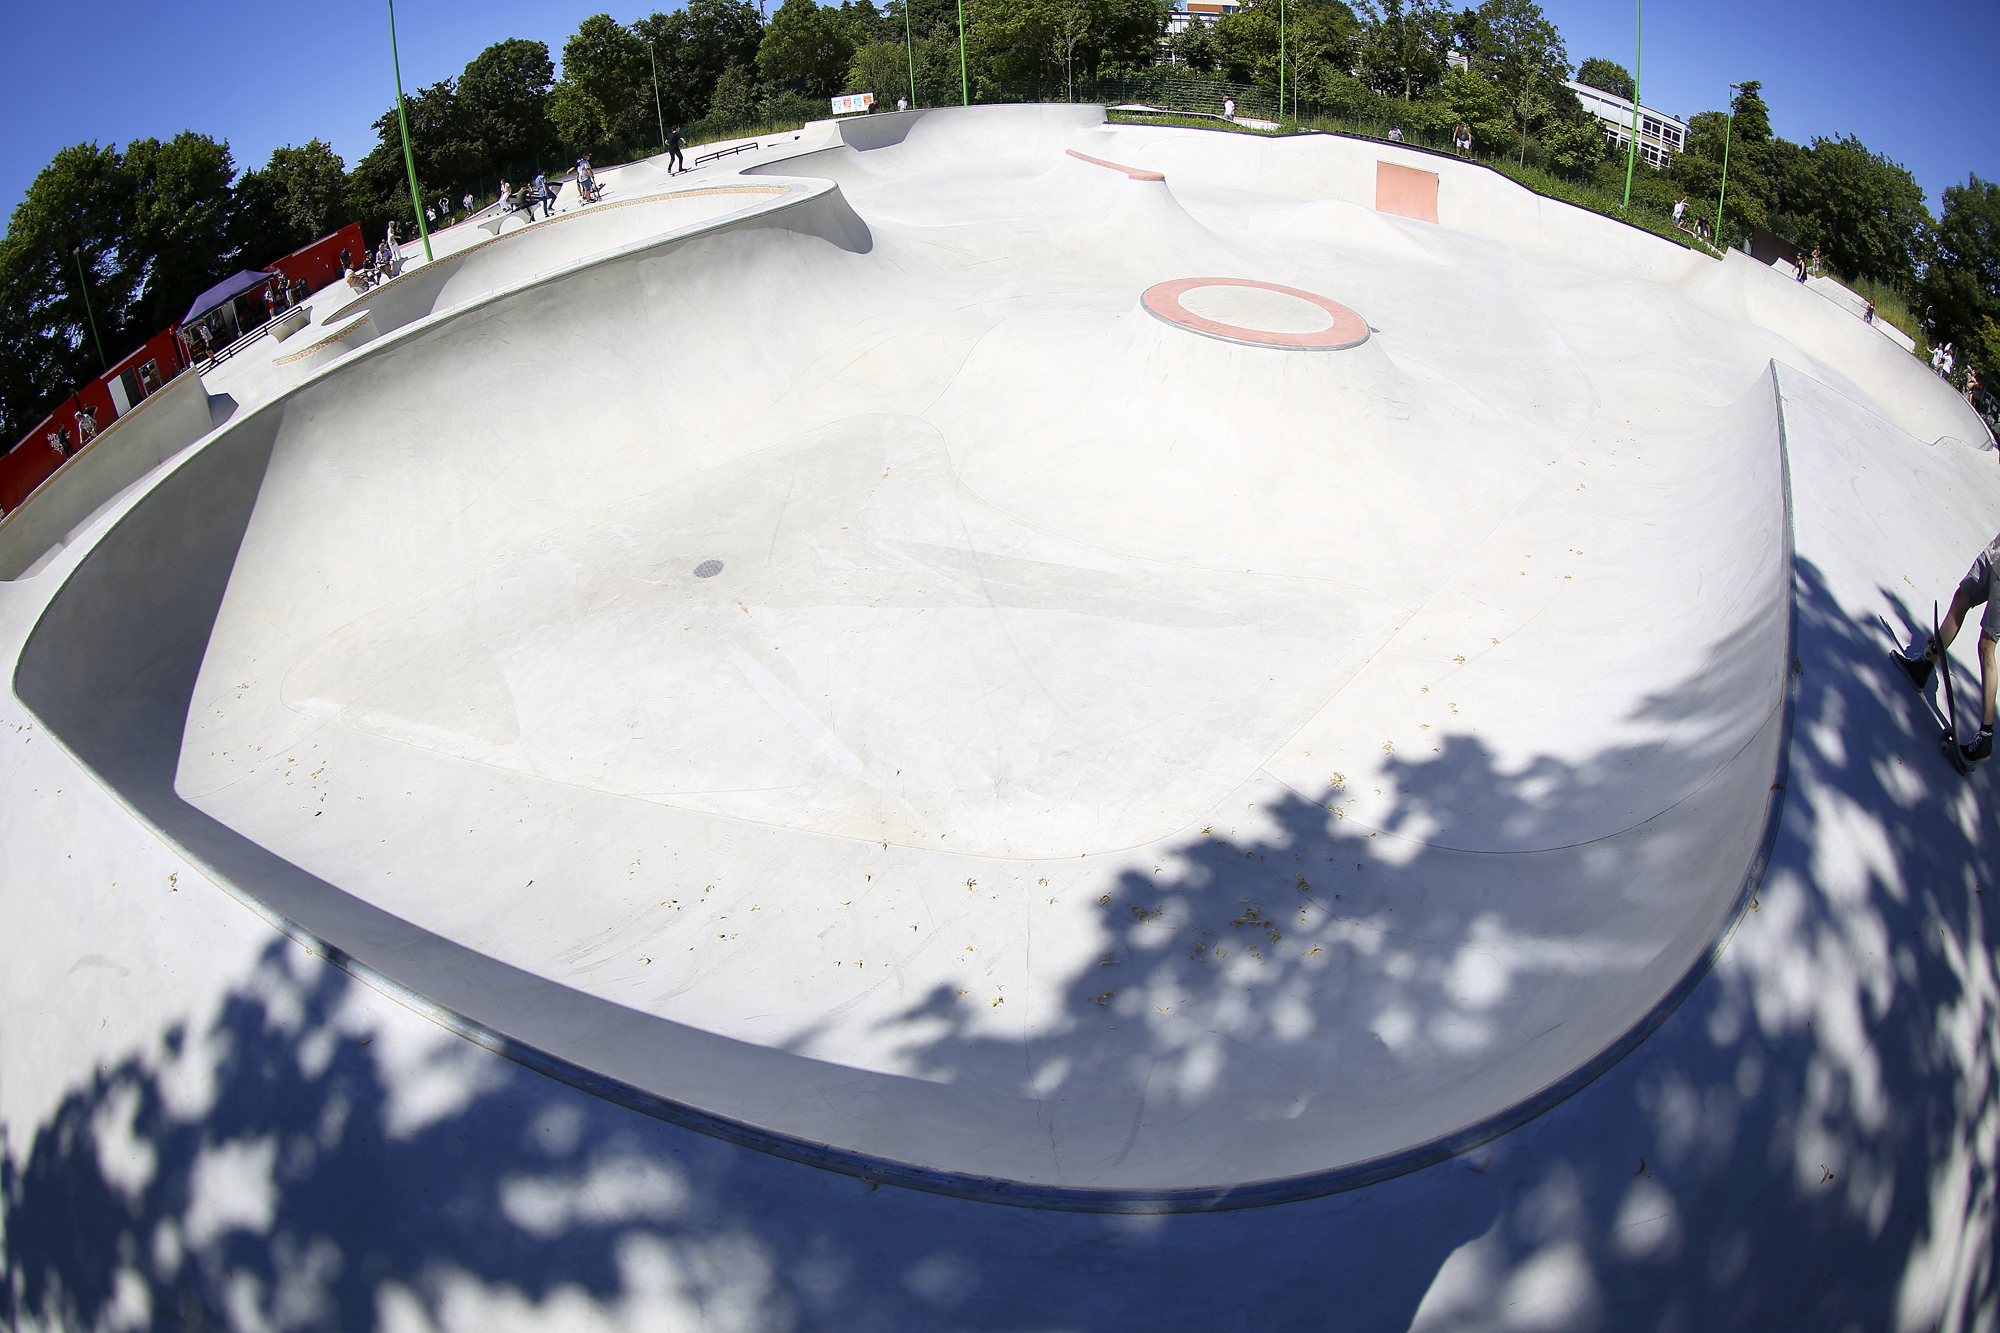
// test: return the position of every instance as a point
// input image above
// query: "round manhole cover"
(708, 569)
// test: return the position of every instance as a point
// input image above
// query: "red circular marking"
(1163, 300)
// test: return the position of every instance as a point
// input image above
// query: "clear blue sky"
(1914, 83)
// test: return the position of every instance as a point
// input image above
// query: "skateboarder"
(675, 142)
(1975, 589)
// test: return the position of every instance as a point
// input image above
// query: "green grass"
(1892, 307)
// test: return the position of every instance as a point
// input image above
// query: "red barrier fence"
(42, 450)
(111, 395)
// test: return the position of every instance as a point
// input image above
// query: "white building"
(1660, 135)
(1206, 12)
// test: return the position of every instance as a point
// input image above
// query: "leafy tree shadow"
(272, 1171)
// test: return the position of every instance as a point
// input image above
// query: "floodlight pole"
(83, 286)
(964, 81)
(1281, 59)
(656, 92)
(403, 119)
(910, 50)
(1728, 132)
(1638, 52)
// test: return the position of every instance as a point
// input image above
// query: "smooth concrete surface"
(121, 457)
(1523, 610)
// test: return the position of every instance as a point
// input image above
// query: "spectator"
(1869, 317)
(430, 216)
(1229, 108)
(86, 425)
(675, 142)
(467, 201)
(1395, 134)
(298, 290)
(1817, 268)
(1680, 212)
(1971, 383)
(586, 180)
(346, 260)
(1461, 139)
(902, 104)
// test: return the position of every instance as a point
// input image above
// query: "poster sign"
(852, 102)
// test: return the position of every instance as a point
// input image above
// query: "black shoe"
(1917, 669)
(1981, 748)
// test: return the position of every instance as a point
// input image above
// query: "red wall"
(29, 463)
(319, 263)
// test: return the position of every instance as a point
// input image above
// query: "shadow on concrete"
(1807, 1143)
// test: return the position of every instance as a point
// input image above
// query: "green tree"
(695, 47)
(503, 96)
(1523, 54)
(150, 228)
(606, 89)
(1606, 76)
(181, 228)
(1403, 48)
(1318, 40)
(735, 95)
(298, 196)
(81, 200)
(1961, 287)
(1194, 48)
(1866, 213)
(806, 48)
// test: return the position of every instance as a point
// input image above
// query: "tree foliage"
(1961, 288)
(806, 49)
(1606, 76)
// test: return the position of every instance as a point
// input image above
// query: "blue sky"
(1908, 82)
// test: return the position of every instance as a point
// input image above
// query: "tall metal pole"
(1281, 59)
(656, 93)
(964, 81)
(1638, 52)
(403, 119)
(910, 50)
(83, 285)
(1728, 132)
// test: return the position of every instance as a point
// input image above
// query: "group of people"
(1701, 228)
(384, 264)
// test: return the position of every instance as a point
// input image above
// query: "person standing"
(902, 104)
(1975, 589)
(1680, 211)
(1229, 108)
(675, 142)
(86, 425)
(1461, 139)
(467, 202)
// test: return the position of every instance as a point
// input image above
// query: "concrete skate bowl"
(903, 706)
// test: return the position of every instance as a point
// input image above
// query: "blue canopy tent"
(222, 293)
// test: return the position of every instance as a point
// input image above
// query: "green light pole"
(910, 50)
(1728, 132)
(1281, 59)
(656, 93)
(1638, 49)
(403, 119)
(83, 286)
(964, 81)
